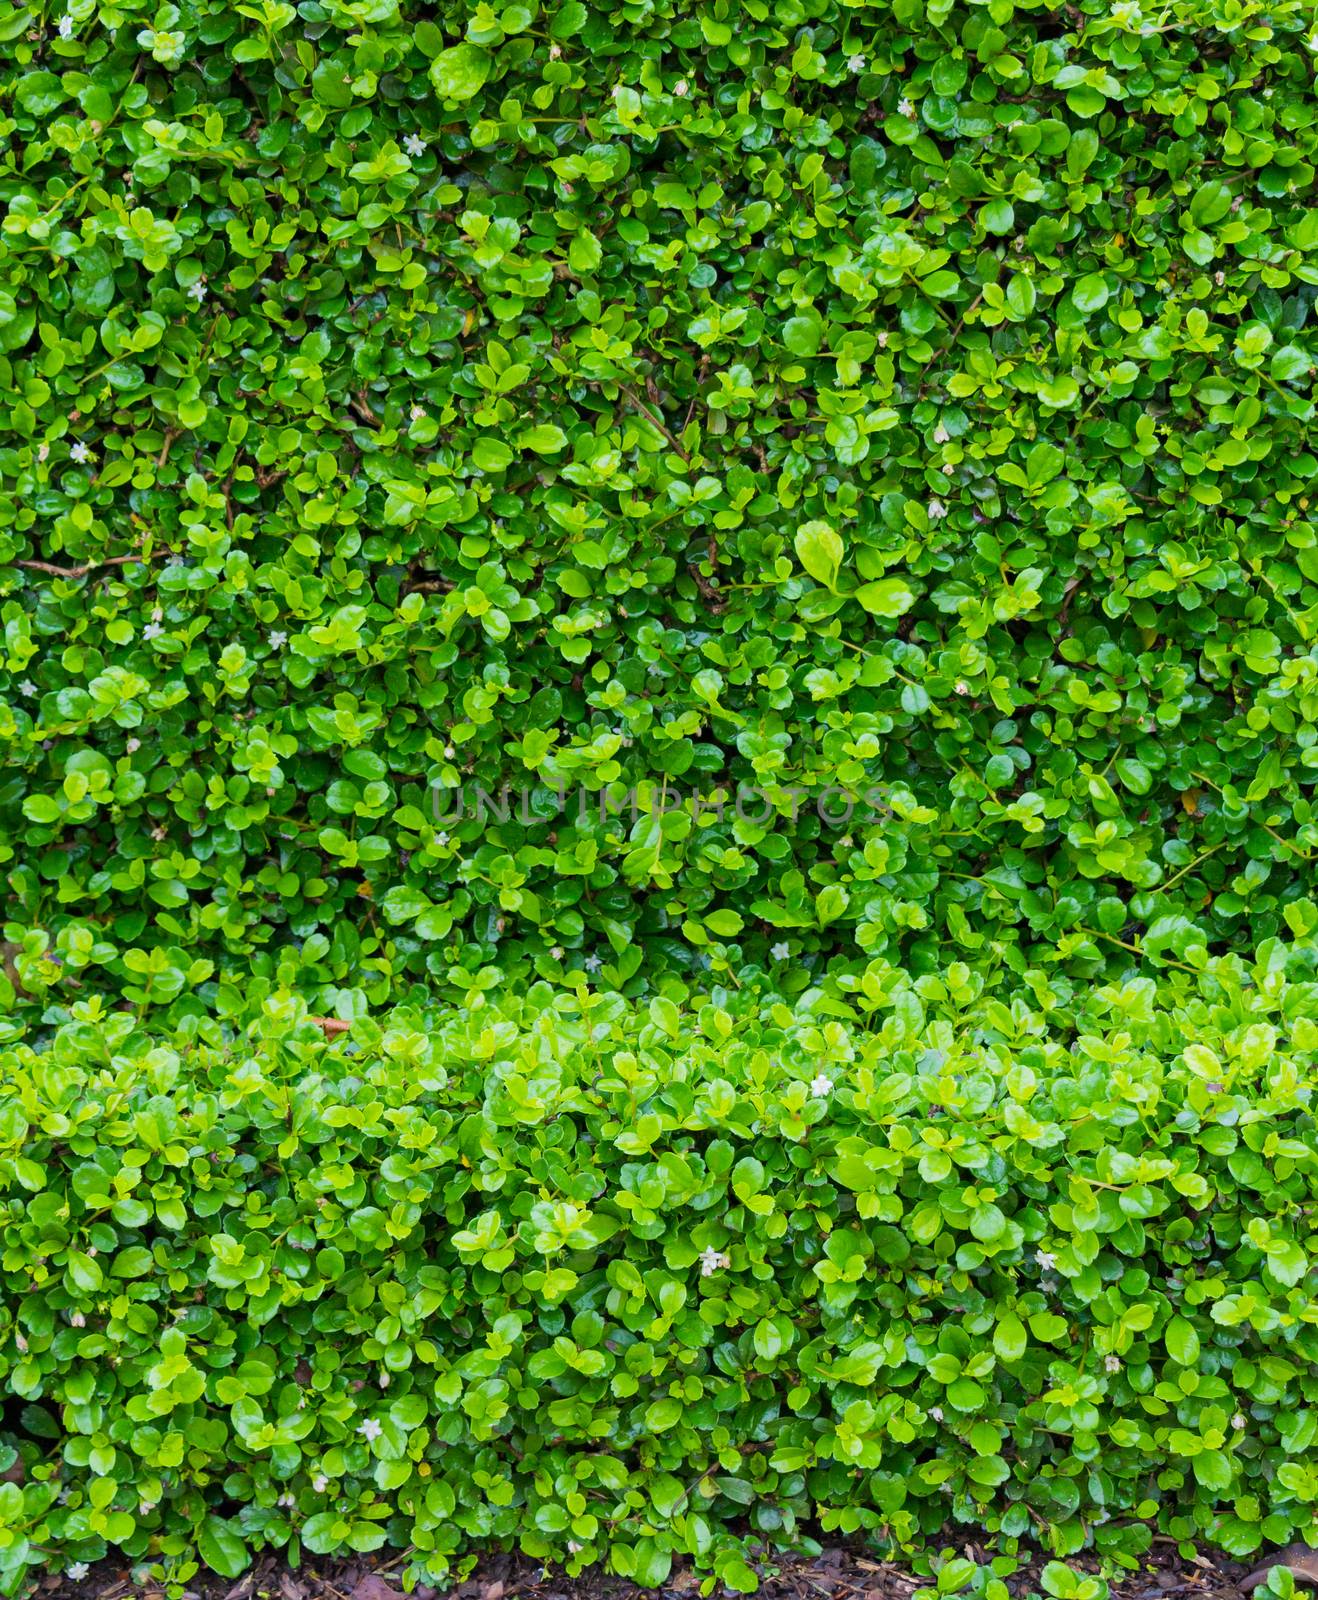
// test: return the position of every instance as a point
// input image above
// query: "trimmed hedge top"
(913, 398)
(599, 1281)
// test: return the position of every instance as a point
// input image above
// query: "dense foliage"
(766, 401)
(587, 1277)
(912, 397)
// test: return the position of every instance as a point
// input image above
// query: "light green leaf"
(820, 551)
(460, 72)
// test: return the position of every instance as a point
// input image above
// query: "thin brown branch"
(79, 572)
(362, 408)
(652, 417)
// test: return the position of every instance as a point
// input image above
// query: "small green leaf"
(820, 551)
(491, 455)
(546, 439)
(221, 1548)
(460, 72)
(886, 597)
(1182, 1342)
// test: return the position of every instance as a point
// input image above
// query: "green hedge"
(781, 393)
(597, 1282)
(709, 399)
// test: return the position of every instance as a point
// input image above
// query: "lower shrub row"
(615, 1283)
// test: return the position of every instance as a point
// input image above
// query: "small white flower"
(158, 614)
(936, 510)
(43, 450)
(414, 144)
(680, 87)
(385, 1380)
(197, 291)
(302, 1402)
(27, 687)
(711, 1260)
(821, 1086)
(66, 27)
(80, 452)
(133, 746)
(936, 1412)
(592, 963)
(1112, 1363)
(441, 839)
(617, 91)
(1238, 1421)
(1046, 1259)
(278, 639)
(370, 1429)
(21, 1343)
(780, 951)
(288, 1501)
(573, 1548)
(555, 51)
(882, 337)
(77, 1319)
(905, 107)
(1219, 278)
(556, 951)
(948, 469)
(146, 1507)
(448, 751)
(153, 630)
(962, 687)
(320, 1483)
(941, 434)
(855, 63)
(1213, 1088)
(77, 1571)
(417, 413)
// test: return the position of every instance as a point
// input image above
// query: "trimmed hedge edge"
(620, 1283)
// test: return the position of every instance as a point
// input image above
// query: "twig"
(79, 572)
(657, 420)
(960, 321)
(711, 596)
(364, 411)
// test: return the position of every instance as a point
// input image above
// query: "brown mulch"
(836, 1574)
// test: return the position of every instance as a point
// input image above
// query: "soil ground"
(837, 1574)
